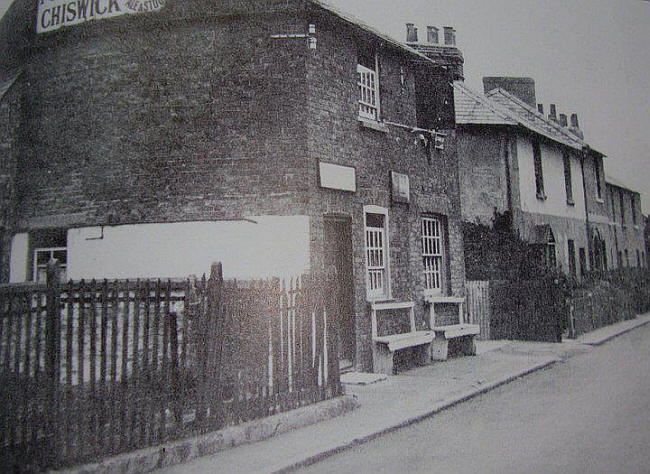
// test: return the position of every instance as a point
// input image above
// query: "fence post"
(52, 356)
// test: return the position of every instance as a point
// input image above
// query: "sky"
(590, 57)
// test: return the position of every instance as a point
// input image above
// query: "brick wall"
(166, 118)
(336, 136)
(163, 124)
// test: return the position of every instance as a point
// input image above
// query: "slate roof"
(499, 107)
(618, 184)
(530, 118)
(474, 108)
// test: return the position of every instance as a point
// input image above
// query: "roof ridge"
(364, 26)
(535, 112)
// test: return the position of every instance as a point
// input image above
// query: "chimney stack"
(411, 33)
(432, 35)
(540, 108)
(450, 36)
(552, 115)
(563, 121)
(575, 127)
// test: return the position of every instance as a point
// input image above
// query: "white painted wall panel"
(553, 169)
(274, 246)
(19, 258)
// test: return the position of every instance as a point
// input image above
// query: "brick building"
(626, 227)
(275, 136)
(514, 159)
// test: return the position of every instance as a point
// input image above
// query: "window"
(583, 261)
(611, 195)
(432, 254)
(539, 173)
(568, 186)
(599, 191)
(41, 258)
(550, 254)
(638, 258)
(622, 199)
(368, 84)
(633, 210)
(571, 248)
(377, 271)
(627, 258)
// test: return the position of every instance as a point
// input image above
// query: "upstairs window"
(368, 86)
(622, 199)
(568, 185)
(611, 196)
(377, 272)
(599, 191)
(633, 210)
(539, 172)
(432, 254)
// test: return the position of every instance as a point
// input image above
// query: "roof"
(363, 26)
(474, 108)
(618, 184)
(531, 119)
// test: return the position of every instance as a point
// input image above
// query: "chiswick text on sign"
(55, 14)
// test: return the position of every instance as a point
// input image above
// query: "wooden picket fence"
(95, 368)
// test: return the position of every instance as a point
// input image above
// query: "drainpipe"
(583, 157)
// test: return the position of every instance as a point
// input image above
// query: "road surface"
(590, 414)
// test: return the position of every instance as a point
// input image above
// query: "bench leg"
(382, 359)
(439, 348)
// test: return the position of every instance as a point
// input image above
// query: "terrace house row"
(514, 159)
(275, 136)
(626, 226)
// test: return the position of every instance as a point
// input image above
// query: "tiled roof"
(474, 108)
(534, 121)
(619, 184)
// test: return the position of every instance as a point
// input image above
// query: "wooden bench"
(384, 347)
(463, 332)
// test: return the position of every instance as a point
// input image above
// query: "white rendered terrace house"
(514, 159)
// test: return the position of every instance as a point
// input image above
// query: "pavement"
(388, 403)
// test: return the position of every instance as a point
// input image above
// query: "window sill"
(600, 200)
(541, 196)
(373, 125)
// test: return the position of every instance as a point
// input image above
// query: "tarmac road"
(590, 414)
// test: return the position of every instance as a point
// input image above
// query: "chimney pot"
(450, 36)
(574, 121)
(563, 121)
(540, 108)
(552, 115)
(411, 33)
(432, 35)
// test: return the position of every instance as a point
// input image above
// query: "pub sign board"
(55, 14)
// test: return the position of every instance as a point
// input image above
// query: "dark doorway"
(338, 253)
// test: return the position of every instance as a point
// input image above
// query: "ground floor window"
(376, 236)
(583, 261)
(432, 254)
(571, 249)
(41, 258)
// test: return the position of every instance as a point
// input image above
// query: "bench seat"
(396, 342)
(462, 332)
(458, 330)
(384, 347)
